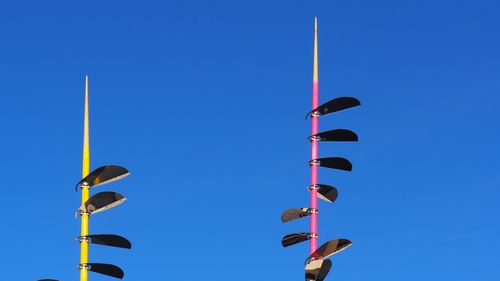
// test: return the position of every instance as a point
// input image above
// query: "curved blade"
(103, 175)
(101, 202)
(318, 270)
(335, 105)
(335, 135)
(327, 193)
(109, 240)
(338, 163)
(329, 248)
(106, 269)
(294, 238)
(293, 214)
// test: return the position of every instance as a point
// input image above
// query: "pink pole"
(314, 146)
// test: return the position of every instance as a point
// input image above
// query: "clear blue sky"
(204, 102)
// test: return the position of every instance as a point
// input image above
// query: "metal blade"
(335, 135)
(108, 240)
(106, 269)
(335, 105)
(294, 238)
(338, 163)
(102, 201)
(293, 214)
(327, 193)
(318, 270)
(329, 248)
(103, 175)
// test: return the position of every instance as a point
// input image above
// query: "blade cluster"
(100, 202)
(317, 264)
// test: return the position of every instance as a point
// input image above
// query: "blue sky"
(204, 102)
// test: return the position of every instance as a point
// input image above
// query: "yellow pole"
(84, 245)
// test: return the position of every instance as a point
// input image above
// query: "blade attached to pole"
(101, 201)
(329, 248)
(318, 270)
(103, 175)
(295, 238)
(105, 269)
(295, 213)
(326, 192)
(335, 135)
(338, 163)
(335, 105)
(108, 240)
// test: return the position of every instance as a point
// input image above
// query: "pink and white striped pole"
(314, 147)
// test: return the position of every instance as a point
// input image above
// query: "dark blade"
(338, 163)
(103, 175)
(106, 269)
(294, 238)
(101, 201)
(328, 249)
(48, 280)
(336, 135)
(318, 270)
(293, 214)
(109, 240)
(327, 193)
(335, 105)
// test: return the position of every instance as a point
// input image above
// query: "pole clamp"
(313, 186)
(83, 239)
(83, 266)
(314, 162)
(313, 235)
(82, 185)
(313, 211)
(315, 138)
(315, 114)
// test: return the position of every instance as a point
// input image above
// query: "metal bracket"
(83, 239)
(313, 235)
(83, 266)
(313, 186)
(315, 114)
(313, 211)
(314, 138)
(78, 212)
(82, 186)
(314, 163)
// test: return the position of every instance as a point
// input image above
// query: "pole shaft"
(314, 144)
(84, 245)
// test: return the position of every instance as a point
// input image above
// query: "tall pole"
(84, 245)
(314, 147)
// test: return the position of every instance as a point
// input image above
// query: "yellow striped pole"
(84, 245)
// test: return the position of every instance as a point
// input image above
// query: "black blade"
(335, 105)
(106, 269)
(48, 280)
(109, 240)
(335, 135)
(327, 193)
(318, 270)
(103, 175)
(338, 163)
(293, 214)
(329, 248)
(294, 238)
(101, 201)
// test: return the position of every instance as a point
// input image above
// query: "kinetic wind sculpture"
(97, 203)
(317, 264)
